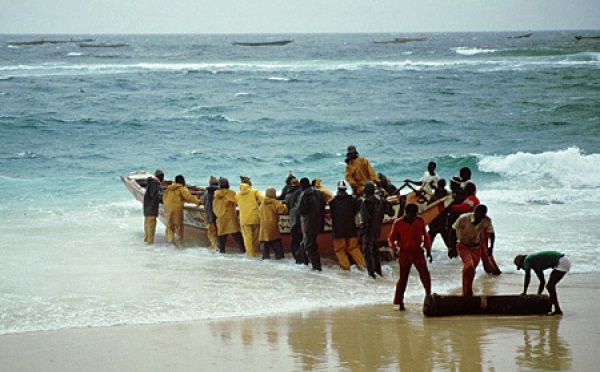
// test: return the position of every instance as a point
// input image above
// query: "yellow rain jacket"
(174, 198)
(326, 192)
(224, 210)
(359, 172)
(270, 210)
(248, 200)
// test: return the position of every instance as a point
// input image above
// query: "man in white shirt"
(429, 180)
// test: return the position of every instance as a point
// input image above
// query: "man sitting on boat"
(359, 171)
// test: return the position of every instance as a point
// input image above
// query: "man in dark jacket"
(372, 212)
(211, 219)
(291, 200)
(288, 186)
(152, 198)
(344, 208)
(311, 207)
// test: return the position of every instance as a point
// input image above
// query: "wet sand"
(351, 339)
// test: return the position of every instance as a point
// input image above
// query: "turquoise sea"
(524, 114)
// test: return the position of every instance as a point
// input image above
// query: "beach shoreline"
(377, 337)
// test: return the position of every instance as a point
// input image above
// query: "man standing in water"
(372, 212)
(227, 221)
(344, 208)
(311, 207)
(539, 262)
(467, 243)
(152, 198)
(410, 236)
(211, 219)
(291, 199)
(175, 196)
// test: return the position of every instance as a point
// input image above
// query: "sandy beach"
(350, 339)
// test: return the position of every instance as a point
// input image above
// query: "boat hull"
(263, 43)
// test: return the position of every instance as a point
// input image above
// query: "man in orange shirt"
(409, 235)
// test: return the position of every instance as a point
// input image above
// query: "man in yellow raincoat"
(248, 200)
(227, 220)
(174, 198)
(359, 171)
(326, 192)
(269, 235)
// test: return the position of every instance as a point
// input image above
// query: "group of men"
(463, 227)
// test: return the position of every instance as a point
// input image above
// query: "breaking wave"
(568, 168)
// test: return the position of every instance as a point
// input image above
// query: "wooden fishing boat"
(195, 228)
(263, 43)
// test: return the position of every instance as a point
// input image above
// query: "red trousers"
(470, 257)
(406, 260)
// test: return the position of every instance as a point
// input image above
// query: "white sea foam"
(299, 66)
(469, 51)
(104, 275)
(568, 168)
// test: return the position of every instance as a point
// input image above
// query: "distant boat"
(579, 37)
(521, 36)
(44, 41)
(19, 43)
(88, 45)
(263, 43)
(400, 40)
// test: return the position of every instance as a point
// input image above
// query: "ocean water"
(524, 114)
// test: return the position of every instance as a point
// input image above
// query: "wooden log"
(438, 305)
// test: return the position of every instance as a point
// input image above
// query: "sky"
(293, 16)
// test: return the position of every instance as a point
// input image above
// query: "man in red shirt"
(409, 235)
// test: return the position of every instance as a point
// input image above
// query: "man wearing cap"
(344, 208)
(539, 262)
(211, 219)
(359, 171)
(152, 199)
